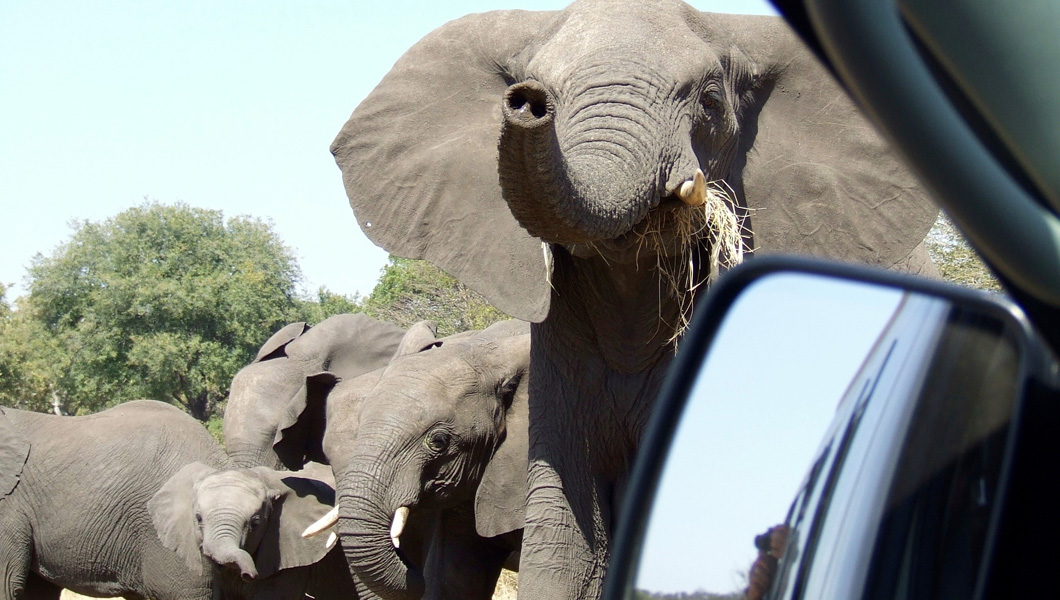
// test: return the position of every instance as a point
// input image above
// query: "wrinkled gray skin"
(503, 130)
(441, 430)
(106, 505)
(347, 345)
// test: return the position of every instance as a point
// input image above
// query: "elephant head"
(442, 426)
(246, 521)
(348, 345)
(593, 129)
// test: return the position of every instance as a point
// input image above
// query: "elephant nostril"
(527, 101)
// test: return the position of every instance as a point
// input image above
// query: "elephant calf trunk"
(232, 556)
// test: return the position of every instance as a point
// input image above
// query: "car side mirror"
(830, 431)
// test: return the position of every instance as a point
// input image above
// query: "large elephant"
(599, 136)
(430, 460)
(347, 345)
(139, 501)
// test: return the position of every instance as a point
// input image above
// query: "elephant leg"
(15, 551)
(918, 262)
(566, 543)
(460, 563)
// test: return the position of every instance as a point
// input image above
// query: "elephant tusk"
(694, 191)
(400, 516)
(325, 522)
(332, 540)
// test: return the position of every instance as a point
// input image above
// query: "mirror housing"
(1013, 550)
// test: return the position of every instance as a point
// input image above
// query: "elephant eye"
(437, 440)
(198, 518)
(711, 100)
(255, 520)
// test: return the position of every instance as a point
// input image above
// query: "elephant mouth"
(676, 227)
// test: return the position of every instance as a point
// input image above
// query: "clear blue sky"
(222, 105)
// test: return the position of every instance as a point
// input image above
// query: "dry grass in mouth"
(680, 270)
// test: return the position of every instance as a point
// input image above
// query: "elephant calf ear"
(14, 451)
(300, 502)
(172, 511)
(300, 431)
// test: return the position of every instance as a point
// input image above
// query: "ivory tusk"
(694, 191)
(332, 540)
(325, 522)
(396, 527)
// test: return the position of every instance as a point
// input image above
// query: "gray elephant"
(139, 501)
(430, 460)
(640, 146)
(347, 345)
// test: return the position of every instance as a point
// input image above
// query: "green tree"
(414, 290)
(30, 361)
(956, 260)
(163, 302)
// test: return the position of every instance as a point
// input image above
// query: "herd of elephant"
(589, 171)
(141, 501)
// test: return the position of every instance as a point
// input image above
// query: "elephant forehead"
(622, 38)
(234, 489)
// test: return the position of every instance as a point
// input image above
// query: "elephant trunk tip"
(528, 105)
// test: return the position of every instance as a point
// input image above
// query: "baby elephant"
(139, 501)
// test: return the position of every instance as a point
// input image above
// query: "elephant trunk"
(365, 527)
(222, 546)
(591, 177)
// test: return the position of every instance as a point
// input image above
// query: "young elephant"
(347, 345)
(430, 458)
(80, 498)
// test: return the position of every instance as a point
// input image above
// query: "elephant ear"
(500, 501)
(274, 346)
(172, 511)
(300, 501)
(359, 344)
(818, 177)
(419, 337)
(300, 430)
(419, 159)
(14, 451)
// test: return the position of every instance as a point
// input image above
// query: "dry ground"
(506, 588)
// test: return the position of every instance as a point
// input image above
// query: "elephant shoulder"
(14, 451)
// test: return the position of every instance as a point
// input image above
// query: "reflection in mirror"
(783, 358)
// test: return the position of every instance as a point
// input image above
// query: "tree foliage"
(168, 302)
(414, 290)
(956, 260)
(163, 302)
